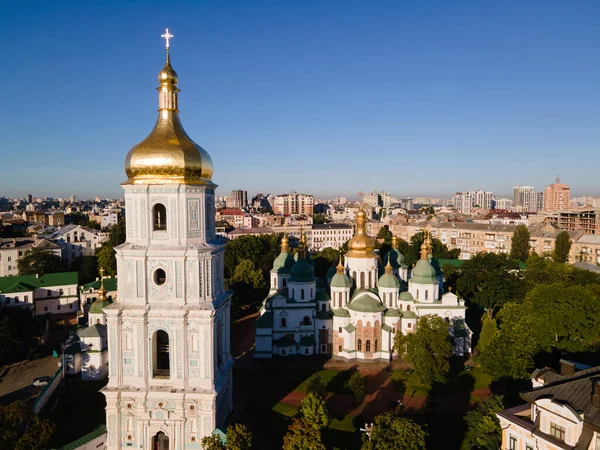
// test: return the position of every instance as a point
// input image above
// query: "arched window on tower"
(354, 278)
(408, 307)
(368, 346)
(370, 279)
(384, 298)
(301, 294)
(284, 282)
(426, 294)
(160, 355)
(160, 441)
(306, 320)
(159, 217)
(362, 279)
(359, 345)
(375, 345)
(340, 299)
(417, 294)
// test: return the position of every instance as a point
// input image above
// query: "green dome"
(401, 260)
(308, 258)
(98, 306)
(331, 272)
(389, 280)
(424, 273)
(406, 296)
(341, 280)
(366, 303)
(283, 263)
(301, 272)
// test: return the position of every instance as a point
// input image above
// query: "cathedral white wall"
(368, 266)
(424, 293)
(302, 292)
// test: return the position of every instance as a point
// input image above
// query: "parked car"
(41, 381)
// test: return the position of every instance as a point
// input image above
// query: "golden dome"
(361, 245)
(168, 155)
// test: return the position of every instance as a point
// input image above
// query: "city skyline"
(432, 98)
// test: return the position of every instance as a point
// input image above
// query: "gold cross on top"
(101, 270)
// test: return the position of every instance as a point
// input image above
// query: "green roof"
(349, 328)
(406, 296)
(284, 342)
(96, 330)
(389, 280)
(48, 280)
(18, 287)
(340, 312)
(365, 303)
(341, 280)
(301, 272)
(322, 295)
(392, 313)
(458, 263)
(265, 321)
(307, 341)
(386, 327)
(323, 315)
(409, 314)
(110, 284)
(221, 434)
(424, 273)
(98, 431)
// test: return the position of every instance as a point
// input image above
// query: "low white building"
(53, 293)
(13, 249)
(560, 413)
(76, 240)
(332, 235)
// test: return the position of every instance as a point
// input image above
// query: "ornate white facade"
(169, 352)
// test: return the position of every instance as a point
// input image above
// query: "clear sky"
(326, 97)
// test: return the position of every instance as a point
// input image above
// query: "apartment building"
(561, 412)
(294, 203)
(557, 196)
(238, 199)
(586, 220)
(76, 241)
(526, 199)
(332, 235)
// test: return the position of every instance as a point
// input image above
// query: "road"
(16, 384)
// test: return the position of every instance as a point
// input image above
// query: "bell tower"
(169, 359)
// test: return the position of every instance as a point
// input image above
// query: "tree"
(562, 247)
(301, 436)
(314, 411)
(440, 250)
(212, 442)
(106, 255)
(22, 429)
(358, 387)
(316, 386)
(520, 243)
(490, 280)
(246, 273)
(86, 268)
(483, 428)
(93, 225)
(428, 349)
(393, 432)
(40, 262)
(489, 331)
(319, 219)
(385, 234)
(239, 437)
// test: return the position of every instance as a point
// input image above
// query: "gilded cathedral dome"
(168, 155)
(361, 245)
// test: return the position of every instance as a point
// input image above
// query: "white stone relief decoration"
(193, 214)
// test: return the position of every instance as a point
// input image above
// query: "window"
(339, 329)
(61, 292)
(512, 443)
(48, 293)
(58, 307)
(301, 294)
(323, 307)
(160, 356)
(323, 348)
(160, 276)
(159, 217)
(368, 346)
(417, 294)
(45, 308)
(340, 299)
(16, 299)
(375, 345)
(384, 297)
(409, 325)
(306, 320)
(370, 280)
(339, 348)
(408, 307)
(359, 345)
(10, 258)
(26, 299)
(557, 431)
(362, 279)
(426, 294)
(393, 329)
(284, 282)
(284, 322)
(274, 281)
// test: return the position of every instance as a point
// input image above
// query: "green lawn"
(346, 424)
(410, 383)
(326, 375)
(285, 409)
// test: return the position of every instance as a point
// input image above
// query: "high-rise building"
(526, 199)
(238, 199)
(169, 358)
(29, 198)
(557, 196)
(504, 203)
(463, 201)
(483, 199)
(294, 203)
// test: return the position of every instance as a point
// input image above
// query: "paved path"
(16, 384)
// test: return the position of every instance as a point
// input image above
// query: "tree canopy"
(483, 428)
(520, 243)
(22, 429)
(212, 442)
(393, 432)
(428, 349)
(40, 261)
(301, 436)
(490, 280)
(106, 255)
(562, 247)
(239, 437)
(314, 411)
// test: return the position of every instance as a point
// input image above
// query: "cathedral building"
(354, 314)
(169, 363)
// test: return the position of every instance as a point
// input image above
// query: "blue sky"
(327, 97)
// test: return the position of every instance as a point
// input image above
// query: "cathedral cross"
(101, 272)
(167, 36)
